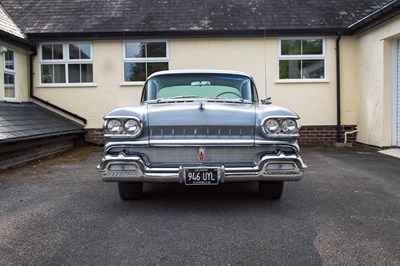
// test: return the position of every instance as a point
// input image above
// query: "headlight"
(271, 126)
(132, 127)
(123, 126)
(289, 126)
(114, 126)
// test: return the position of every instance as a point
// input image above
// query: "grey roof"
(163, 16)
(29, 121)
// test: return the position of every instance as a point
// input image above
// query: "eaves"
(26, 43)
(385, 13)
(186, 34)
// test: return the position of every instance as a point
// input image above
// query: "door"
(396, 98)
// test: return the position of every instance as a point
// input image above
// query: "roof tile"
(28, 120)
(79, 16)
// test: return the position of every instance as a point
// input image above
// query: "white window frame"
(12, 72)
(65, 61)
(302, 57)
(142, 60)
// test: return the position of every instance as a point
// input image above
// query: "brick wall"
(309, 135)
(324, 135)
(24, 152)
(95, 136)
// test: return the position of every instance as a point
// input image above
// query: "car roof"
(199, 71)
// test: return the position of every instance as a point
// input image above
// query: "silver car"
(201, 127)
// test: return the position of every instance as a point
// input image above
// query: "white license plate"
(201, 176)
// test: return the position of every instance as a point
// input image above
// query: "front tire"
(270, 189)
(130, 190)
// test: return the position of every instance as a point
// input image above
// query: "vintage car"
(201, 127)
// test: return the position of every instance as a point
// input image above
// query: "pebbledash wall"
(315, 102)
(377, 83)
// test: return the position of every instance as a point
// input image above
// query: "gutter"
(32, 94)
(15, 39)
(203, 33)
(338, 103)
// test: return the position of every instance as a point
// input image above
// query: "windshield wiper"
(236, 100)
(177, 97)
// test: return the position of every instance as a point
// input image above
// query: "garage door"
(397, 98)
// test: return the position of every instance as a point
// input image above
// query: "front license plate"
(201, 176)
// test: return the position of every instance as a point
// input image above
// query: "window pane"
(312, 46)
(289, 69)
(79, 51)
(9, 56)
(9, 86)
(47, 51)
(135, 72)
(59, 73)
(80, 73)
(313, 69)
(87, 73)
(47, 73)
(290, 47)
(156, 49)
(73, 51)
(57, 51)
(154, 67)
(135, 50)
(74, 73)
(85, 51)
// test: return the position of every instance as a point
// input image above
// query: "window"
(9, 74)
(302, 59)
(141, 59)
(66, 63)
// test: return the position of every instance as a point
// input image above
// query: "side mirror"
(266, 101)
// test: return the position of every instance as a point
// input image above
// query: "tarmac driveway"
(345, 211)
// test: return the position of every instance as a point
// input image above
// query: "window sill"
(139, 83)
(291, 81)
(64, 85)
(11, 100)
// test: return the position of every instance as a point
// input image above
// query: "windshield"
(200, 85)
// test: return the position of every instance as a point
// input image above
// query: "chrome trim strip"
(198, 142)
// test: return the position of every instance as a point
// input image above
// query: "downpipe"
(338, 103)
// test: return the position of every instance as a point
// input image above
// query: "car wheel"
(270, 189)
(130, 190)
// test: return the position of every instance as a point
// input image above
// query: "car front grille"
(187, 155)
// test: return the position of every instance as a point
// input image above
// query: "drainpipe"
(338, 128)
(31, 93)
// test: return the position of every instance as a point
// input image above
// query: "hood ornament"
(202, 154)
(201, 106)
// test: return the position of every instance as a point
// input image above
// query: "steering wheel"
(229, 92)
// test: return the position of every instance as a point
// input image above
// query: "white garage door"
(396, 137)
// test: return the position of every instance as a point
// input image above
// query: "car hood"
(199, 121)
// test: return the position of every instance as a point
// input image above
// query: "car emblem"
(202, 154)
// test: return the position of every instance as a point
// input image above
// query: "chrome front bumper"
(271, 167)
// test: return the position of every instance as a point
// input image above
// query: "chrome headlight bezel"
(113, 126)
(289, 126)
(271, 126)
(126, 126)
(133, 127)
(280, 126)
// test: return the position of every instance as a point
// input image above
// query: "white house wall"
(315, 102)
(375, 69)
